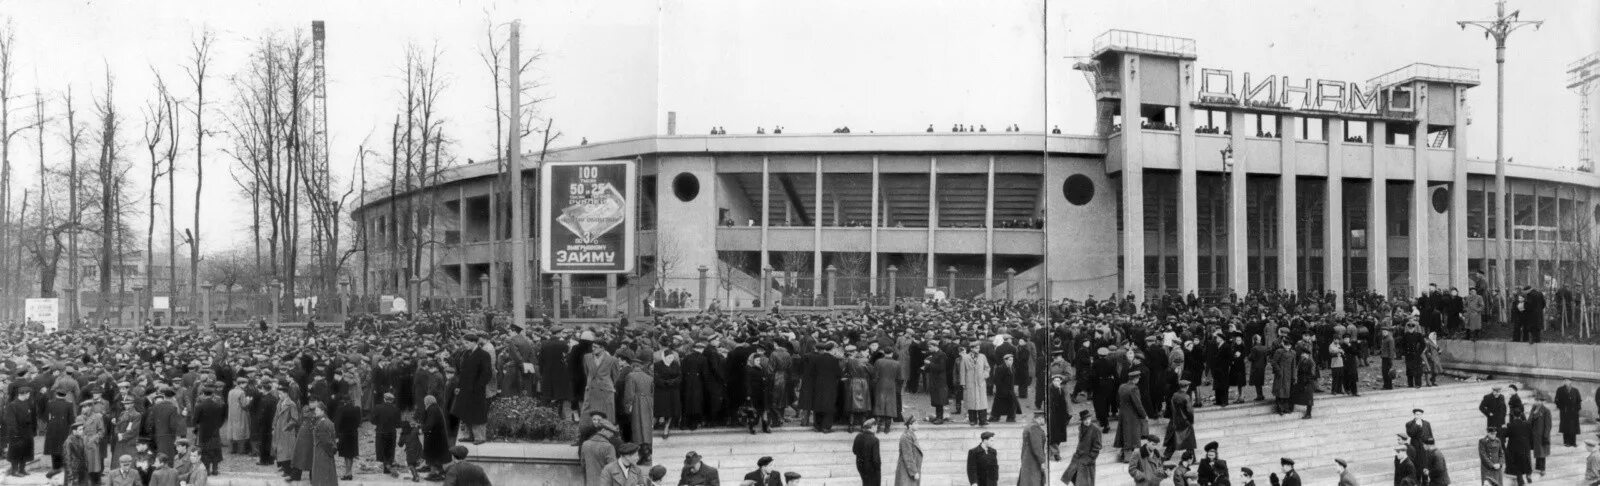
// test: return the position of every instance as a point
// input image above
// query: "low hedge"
(523, 419)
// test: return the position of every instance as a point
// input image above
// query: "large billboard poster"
(43, 311)
(586, 217)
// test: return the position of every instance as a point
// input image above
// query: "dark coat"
(869, 458)
(983, 467)
(464, 473)
(1060, 414)
(1493, 408)
(1539, 421)
(58, 415)
(347, 426)
(435, 436)
(554, 381)
(1005, 391)
(1305, 380)
(1518, 436)
(1569, 402)
(696, 370)
(19, 426)
(825, 372)
(936, 377)
(669, 389)
(471, 403)
(165, 425)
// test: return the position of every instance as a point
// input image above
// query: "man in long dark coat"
(435, 437)
(555, 384)
(1305, 382)
(262, 408)
(696, 371)
(385, 427)
(19, 424)
(826, 372)
(1539, 421)
(1569, 402)
(164, 424)
(59, 414)
(1518, 437)
(1283, 375)
(1493, 408)
(935, 370)
(209, 415)
(1180, 431)
(1080, 472)
(869, 459)
(1132, 426)
(471, 403)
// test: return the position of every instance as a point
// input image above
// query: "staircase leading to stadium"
(1360, 430)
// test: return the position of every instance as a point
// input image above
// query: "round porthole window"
(686, 186)
(1078, 189)
(1441, 199)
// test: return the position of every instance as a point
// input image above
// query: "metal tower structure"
(1583, 76)
(318, 173)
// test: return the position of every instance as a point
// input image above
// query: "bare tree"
(8, 131)
(159, 126)
(199, 62)
(494, 56)
(669, 257)
(108, 174)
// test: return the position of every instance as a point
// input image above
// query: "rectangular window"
(1312, 129)
(1261, 126)
(1475, 213)
(1355, 131)
(1211, 121)
(1399, 219)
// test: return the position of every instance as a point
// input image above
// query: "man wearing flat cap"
(983, 464)
(1568, 403)
(1290, 476)
(1491, 458)
(1145, 467)
(764, 475)
(385, 424)
(1493, 407)
(621, 472)
(20, 424)
(1131, 417)
(1080, 472)
(697, 473)
(1346, 477)
(869, 458)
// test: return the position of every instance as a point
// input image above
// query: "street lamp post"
(1499, 29)
(272, 298)
(205, 304)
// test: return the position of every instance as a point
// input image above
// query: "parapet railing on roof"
(1425, 72)
(1127, 40)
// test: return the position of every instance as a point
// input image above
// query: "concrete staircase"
(1360, 430)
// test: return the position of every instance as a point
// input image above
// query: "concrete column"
(1459, 277)
(1132, 181)
(1238, 232)
(494, 237)
(611, 292)
(816, 235)
(1333, 242)
(872, 257)
(1288, 205)
(988, 234)
(1188, 185)
(952, 282)
(555, 296)
(1421, 198)
(892, 271)
(1011, 277)
(833, 283)
(1378, 214)
(766, 201)
(701, 297)
(933, 217)
(483, 289)
(766, 285)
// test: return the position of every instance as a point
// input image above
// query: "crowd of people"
(295, 400)
(157, 406)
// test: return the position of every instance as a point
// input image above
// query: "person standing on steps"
(1539, 421)
(869, 459)
(1405, 469)
(1080, 472)
(1131, 426)
(974, 375)
(1213, 470)
(1305, 381)
(1035, 455)
(1591, 472)
(1518, 437)
(1180, 430)
(1493, 408)
(1386, 353)
(1491, 458)
(1283, 371)
(1569, 402)
(1290, 476)
(1258, 365)
(1346, 477)
(983, 465)
(1418, 432)
(1438, 471)
(1145, 467)
(908, 469)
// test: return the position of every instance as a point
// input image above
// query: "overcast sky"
(614, 68)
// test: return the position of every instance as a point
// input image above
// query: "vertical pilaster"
(1288, 207)
(1459, 277)
(816, 235)
(1238, 231)
(988, 233)
(1333, 232)
(1421, 200)
(766, 202)
(1188, 186)
(1132, 181)
(1378, 214)
(872, 258)
(933, 218)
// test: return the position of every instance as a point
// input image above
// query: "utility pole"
(519, 212)
(1499, 29)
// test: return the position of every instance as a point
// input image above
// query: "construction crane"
(1583, 76)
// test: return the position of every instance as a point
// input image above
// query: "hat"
(625, 449)
(460, 452)
(691, 458)
(1401, 448)
(1083, 415)
(986, 436)
(1590, 442)
(388, 396)
(1497, 388)
(763, 461)
(791, 476)
(24, 390)
(1151, 438)
(1416, 410)
(1102, 351)
(1135, 373)
(657, 472)
(1342, 463)
(1427, 441)
(1286, 461)
(77, 423)
(1182, 383)
(1211, 446)
(1246, 471)
(869, 422)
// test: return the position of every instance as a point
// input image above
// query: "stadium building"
(1224, 179)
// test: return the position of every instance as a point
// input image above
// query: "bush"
(524, 419)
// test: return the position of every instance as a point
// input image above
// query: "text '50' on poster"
(586, 217)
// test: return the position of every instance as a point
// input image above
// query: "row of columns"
(1133, 211)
